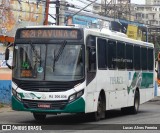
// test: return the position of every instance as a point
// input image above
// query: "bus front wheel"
(100, 113)
(39, 117)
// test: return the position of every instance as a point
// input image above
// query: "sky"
(138, 1)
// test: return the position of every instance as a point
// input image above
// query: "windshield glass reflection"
(47, 62)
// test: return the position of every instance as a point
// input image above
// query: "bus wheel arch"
(101, 107)
(135, 108)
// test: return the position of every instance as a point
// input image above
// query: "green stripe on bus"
(147, 80)
(75, 107)
(143, 80)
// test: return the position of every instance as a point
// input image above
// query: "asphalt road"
(149, 113)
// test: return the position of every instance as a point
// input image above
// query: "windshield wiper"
(36, 53)
(60, 51)
(56, 57)
(37, 58)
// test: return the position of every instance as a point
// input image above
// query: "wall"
(5, 79)
(17, 13)
(5, 91)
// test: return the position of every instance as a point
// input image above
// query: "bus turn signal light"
(159, 56)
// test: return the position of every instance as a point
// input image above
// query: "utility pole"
(62, 12)
(57, 11)
(57, 5)
(105, 7)
(46, 12)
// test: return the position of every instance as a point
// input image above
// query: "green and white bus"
(66, 69)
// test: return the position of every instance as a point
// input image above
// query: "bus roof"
(116, 36)
(50, 26)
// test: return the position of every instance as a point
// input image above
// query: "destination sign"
(71, 34)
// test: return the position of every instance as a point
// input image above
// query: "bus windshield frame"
(42, 59)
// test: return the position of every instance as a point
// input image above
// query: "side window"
(144, 58)
(91, 58)
(136, 57)
(102, 53)
(91, 50)
(150, 59)
(120, 55)
(129, 56)
(112, 54)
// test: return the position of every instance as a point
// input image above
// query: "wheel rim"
(99, 108)
(137, 103)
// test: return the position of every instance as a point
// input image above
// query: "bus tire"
(39, 117)
(135, 108)
(101, 108)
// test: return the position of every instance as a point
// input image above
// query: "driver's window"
(91, 52)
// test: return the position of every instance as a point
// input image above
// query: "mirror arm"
(10, 45)
(10, 67)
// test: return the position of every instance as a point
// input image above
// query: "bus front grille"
(46, 86)
(32, 104)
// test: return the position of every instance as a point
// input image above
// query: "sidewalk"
(156, 98)
(6, 108)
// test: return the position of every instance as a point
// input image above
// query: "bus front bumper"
(76, 106)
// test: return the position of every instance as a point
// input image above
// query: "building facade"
(152, 2)
(148, 14)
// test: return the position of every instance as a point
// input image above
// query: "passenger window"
(136, 57)
(129, 56)
(150, 59)
(120, 55)
(112, 54)
(102, 53)
(144, 58)
(91, 49)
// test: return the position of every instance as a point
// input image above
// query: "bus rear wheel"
(39, 117)
(135, 108)
(101, 107)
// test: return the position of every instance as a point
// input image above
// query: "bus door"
(91, 64)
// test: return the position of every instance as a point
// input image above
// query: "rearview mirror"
(7, 54)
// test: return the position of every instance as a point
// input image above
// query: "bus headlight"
(17, 95)
(80, 93)
(72, 97)
(76, 95)
(14, 92)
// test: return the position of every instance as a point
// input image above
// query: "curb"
(157, 98)
(5, 109)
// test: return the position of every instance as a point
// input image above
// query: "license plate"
(40, 105)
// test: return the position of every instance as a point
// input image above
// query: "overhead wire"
(75, 7)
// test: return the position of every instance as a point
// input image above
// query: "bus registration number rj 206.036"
(57, 96)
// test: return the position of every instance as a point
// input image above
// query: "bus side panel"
(89, 102)
(114, 83)
(147, 86)
(103, 82)
(130, 100)
(149, 94)
(142, 95)
(90, 89)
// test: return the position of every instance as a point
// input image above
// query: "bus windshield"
(50, 62)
